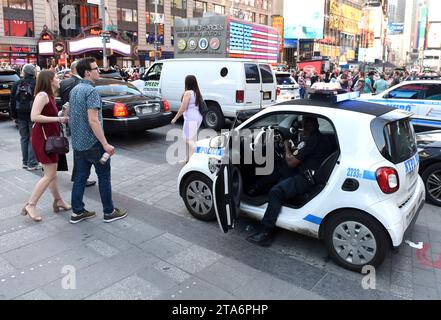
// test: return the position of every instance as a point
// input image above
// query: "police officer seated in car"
(291, 176)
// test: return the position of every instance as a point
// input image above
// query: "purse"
(55, 144)
(203, 109)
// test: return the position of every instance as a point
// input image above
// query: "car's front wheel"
(432, 182)
(354, 239)
(198, 197)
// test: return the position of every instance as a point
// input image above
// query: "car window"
(284, 79)
(433, 92)
(111, 90)
(277, 119)
(252, 73)
(154, 73)
(267, 73)
(9, 77)
(400, 141)
(411, 91)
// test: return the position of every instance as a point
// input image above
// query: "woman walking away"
(192, 117)
(47, 123)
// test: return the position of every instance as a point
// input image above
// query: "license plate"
(146, 110)
(5, 91)
(267, 95)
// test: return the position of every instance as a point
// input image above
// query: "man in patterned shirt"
(89, 144)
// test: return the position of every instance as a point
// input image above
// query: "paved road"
(161, 252)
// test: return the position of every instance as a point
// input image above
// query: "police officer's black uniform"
(290, 181)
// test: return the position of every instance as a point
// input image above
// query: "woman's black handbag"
(203, 109)
(55, 144)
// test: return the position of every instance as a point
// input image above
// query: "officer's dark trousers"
(285, 189)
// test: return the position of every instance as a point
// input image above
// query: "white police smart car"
(422, 98)
(367, 192)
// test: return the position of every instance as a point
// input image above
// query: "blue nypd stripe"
(427, 122)
(212, 151)
(369, 175)
(313, 219)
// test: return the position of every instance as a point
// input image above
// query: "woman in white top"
(192, 117)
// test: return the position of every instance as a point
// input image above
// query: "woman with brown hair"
(190, 103)
(47, 123)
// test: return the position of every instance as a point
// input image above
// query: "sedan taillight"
(166, 105)
(120, 110)
(387, 179)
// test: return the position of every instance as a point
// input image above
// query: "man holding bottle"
(90, 144)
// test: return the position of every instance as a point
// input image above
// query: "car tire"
(199, 184)
(432, 180)
(371, 250)
(214, 118)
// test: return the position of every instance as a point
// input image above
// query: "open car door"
(227, 189)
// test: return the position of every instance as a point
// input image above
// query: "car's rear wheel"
(214, 118)
(432, 181)
(198, 197)
(354, 239)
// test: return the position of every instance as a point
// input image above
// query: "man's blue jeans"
(83, 161)
(27, 152)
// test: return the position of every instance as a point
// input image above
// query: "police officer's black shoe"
(262, 238)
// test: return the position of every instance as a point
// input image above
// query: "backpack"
(24, 97)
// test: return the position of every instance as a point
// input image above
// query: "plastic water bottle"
(104, 158)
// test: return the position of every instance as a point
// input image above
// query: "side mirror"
(387, 96)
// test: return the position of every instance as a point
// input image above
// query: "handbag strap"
(44, 133)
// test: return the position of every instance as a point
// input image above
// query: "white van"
(227, 85)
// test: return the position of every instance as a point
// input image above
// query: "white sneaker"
(37, 167)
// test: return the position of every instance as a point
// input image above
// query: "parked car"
(429, 146)
(287, 87)
(420, 97)
(227, 85)
(367, 192)
(7, 79)
(109, 73)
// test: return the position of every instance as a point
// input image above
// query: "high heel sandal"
(56, 206)
(25, 212)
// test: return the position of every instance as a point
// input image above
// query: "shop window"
(200, 6)
(263, 19)
(18, 28)
(19, 4)
(179, 4)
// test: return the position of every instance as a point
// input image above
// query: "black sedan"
(126, 109)
(429, 146)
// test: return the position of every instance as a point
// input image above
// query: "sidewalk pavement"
(161, 252)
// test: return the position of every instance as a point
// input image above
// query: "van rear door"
(269, 85)
(252, 86)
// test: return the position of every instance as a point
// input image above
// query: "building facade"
(59, 31)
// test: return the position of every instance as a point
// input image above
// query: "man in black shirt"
(291, 181)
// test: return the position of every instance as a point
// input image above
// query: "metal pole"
(103, 10)
(156, 28)
(298, 54)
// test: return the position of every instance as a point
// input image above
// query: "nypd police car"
(420, 97)
(367, 192)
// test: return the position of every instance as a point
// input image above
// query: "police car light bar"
(346, 96)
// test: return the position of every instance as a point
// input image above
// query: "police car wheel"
(198, 197)
(432, 182)
(354, 239)
(214, 118)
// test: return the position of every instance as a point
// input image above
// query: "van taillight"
(277, 92)
(166, 105)
(387, 179)
(120, 110)
(240, 96)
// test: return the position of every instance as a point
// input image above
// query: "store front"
(17, 55)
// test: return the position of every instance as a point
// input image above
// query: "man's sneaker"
(24, 166)
(37, 167)
(115, 215)
(75, 218)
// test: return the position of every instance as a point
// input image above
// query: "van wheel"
(214, 118)
(354, 239)
(198, 197)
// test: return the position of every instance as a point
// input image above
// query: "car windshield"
(111, 90)
(284, 79)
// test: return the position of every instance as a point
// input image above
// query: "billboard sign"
(434, 36)
(395, 28)
(304, 22)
